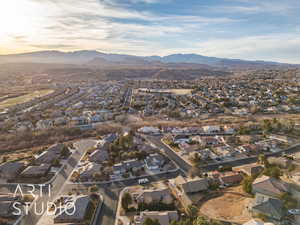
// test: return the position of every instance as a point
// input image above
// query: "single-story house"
(99, 156)
(249, 169)
(110, 138)
(82, 205)
(163, 217)
(230, 178)
(89, 171)
(189, 186)
(125, 166)
(156, 195)
(149, 130)
(211, 129)
(269, 186)
(280, 161)
(11, 169)
(271, 207)
(36, 171)
(48, 156)
(154, 161)
(6, 209)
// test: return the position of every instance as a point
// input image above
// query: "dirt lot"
(230, 207)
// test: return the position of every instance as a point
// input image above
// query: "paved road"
(127, 183)
(60, 182)
(111, 191)
(239, 162)
(127, 97)
(156, 140)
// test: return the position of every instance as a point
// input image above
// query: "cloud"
(258, 6)
(55, 46)
(119, 26)
(276, 47)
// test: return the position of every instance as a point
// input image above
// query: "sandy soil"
(228, 207)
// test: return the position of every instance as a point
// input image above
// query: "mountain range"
(95, 58)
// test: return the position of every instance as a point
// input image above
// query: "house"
(257, 222)
(99, 156)
(280, 161)
(280, 138)
(149, 130)
(48, 156)
(270, 207)
(154, 161)
(24, 126)
(249, 169)
(204, 141)
(10, 170)
(110, 138)
(119, 169)
(229, 129)
(228, 177)
(6, 209)
(269, 186)
(203, 153)
(177, 139)
(36, 171)
(88, 171)
(44, 124)
(163, 217)
(128, 165)
(81, 205)
(211, 129)
(223, 151)
(189, 186)
(157, 195)
(60, 121)
(249, 148)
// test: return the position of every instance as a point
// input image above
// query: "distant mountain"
(95, 58)
(212, 61)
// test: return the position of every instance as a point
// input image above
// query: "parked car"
(143, 181)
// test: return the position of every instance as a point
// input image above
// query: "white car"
(143, 181)
(294, 211)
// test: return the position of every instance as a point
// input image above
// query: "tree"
(5, 158)
(194, 171)
(65, 151)
(200, 221)
(126, 200)
(56, 162)
(272, 171)
(196, 159)
(149, 221)
(192, 211)
(262, 159)
(288, 201)
(247, 184)
(267, 126)
(93, 188)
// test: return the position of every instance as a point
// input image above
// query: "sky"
(245, 29)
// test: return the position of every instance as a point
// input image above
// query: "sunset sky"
(246, 29)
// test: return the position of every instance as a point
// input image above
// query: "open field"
(24, 98)
(172, 91)
(231, 206)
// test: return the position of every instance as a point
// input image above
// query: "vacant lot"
(173, 91)
(23, 98)
(231, 206)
